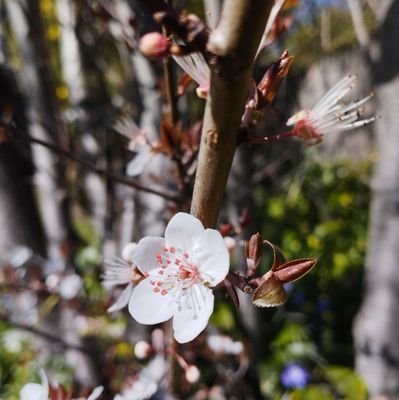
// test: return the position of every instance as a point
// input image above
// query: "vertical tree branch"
(234, 43)
(359, 26)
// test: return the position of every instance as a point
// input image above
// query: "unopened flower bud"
(142, 349)
(270, 291)
(192, 374)
(154, 45)
(254, 253)
(294, 269)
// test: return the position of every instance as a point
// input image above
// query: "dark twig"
(46, 335)
(94, 168)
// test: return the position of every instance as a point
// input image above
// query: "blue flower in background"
(294, 376)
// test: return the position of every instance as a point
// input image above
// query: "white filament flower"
(330, 114)
(179, 271)
(195, 65)
(36, 391)
(121, 271)
(138, 143)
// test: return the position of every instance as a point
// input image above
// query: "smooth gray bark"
(376, 329)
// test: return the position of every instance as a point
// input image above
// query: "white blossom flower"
(138, 143)
(140, 389)
(40, 391)
(146, 383)
(121, 271)
(330, 114)
(195, 65)
(179, 271)
(223, 344)
(70, 286)
(36, 391)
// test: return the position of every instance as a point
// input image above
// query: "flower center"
(177, 271)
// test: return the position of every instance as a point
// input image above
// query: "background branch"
(117, 178)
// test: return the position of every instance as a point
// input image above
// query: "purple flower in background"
(294, 376)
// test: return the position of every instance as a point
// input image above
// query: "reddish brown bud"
(294, 269)
(253, 249)
(273, 78)
(154, 45)
(270, 291)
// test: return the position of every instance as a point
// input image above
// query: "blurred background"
(78, 94)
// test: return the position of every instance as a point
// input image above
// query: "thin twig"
(53, 338)
(273, 138)
(170, 84)
(94, 168)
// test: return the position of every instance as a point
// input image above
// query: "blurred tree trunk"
(376, 329)
(74, 76)
(149, 208)
(240, 195)
(44, 122)
(19, 218)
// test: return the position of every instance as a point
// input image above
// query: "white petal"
(96, 393)
(44, 380)
(70, 286)
(192, 319)
(136, 166)
(148, 307)
(212, 257)
(123, 299)
(33, 391)
(128, 250)
(144, 254)
(182, 231)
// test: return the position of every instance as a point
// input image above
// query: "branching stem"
(234, 43)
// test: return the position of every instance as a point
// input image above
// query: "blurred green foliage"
(304, 39)
(321, 213)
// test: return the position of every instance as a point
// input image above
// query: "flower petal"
(183, 230)
(136, 166)
(96, 393)
(211, 255)
(45, 385)
(143, 255)
(36, 391)
(148, 307)
(193, 317)
(128, 250)
(123, 299)
(33, 391)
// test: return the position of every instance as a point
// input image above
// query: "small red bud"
(294, 269)
(154, 45)
(254, 254)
